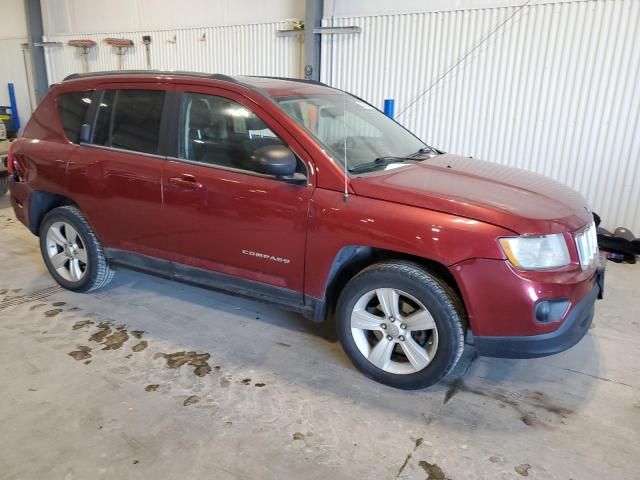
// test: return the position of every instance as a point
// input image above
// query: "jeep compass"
(303, 196)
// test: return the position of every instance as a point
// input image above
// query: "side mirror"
(277, 160)
(85, 133)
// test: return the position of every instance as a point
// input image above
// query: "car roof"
(269, 86)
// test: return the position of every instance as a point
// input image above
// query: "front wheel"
(72, 252)
(401, 325)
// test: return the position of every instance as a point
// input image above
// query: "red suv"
(304, 196)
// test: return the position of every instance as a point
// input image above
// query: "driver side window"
(218, 131)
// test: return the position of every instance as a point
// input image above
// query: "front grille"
(587, 245)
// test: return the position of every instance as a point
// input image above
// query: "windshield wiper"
(423, 151)
(386, 160)
(380, 161)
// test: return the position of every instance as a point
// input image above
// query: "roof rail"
(291, 79)
(215, 76)
(223, 77)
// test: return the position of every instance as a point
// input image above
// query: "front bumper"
(576, 324)
(501, 305)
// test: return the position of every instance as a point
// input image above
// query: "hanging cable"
(464, 57)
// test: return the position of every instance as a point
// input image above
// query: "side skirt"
(311, 307)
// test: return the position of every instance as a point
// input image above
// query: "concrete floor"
(84, 400)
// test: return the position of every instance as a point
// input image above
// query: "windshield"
(346, 125)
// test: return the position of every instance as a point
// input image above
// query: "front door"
(220, 214)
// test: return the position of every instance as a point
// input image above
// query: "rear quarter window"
(72, 108)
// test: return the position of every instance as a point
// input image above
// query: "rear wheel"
(72, 251)
(401, 325)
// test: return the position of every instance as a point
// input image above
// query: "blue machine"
(389, 107)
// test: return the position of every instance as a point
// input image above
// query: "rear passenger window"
(72, 108)
(221, 132)
(130, 119)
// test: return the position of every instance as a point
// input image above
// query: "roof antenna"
(344, 131)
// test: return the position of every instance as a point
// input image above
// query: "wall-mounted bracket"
(295, 32)
(48, 44)
(338, 30)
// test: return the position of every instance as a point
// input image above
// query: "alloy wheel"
(394, 331)
(67, 252)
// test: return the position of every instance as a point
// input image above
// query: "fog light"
(548, 311)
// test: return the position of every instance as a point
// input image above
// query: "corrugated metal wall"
(239, 49)
(556, 90)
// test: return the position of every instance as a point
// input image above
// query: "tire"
(4, 184)
(436, 326)
(56, 237)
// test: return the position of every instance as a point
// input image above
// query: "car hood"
(521, 201)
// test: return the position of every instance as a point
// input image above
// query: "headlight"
(536, 253)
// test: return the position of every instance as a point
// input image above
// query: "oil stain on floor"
(532, 399)
(190, 400)
(82, 353)
(523, 469)
(434, 472)
(104, 329)
(81, 324)
(140, 346)
(195, 359)
(112, 337)
(115, 340)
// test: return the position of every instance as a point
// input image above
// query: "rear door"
(222, 215)
(117, 177)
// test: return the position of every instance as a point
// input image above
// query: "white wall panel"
(239, 49)
(556, 90)
(350, 8)
(61, 17)
(13, 21)
(12, 70)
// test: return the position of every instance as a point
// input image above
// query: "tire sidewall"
(69, 216)
(432, 296)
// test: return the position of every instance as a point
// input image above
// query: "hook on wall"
(120, 46)
(84, 46)
(203, 38)
(173, 40)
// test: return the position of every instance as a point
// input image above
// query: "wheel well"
(42, 203)
(353, 259)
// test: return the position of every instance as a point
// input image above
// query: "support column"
(35, 32)
(312, 20)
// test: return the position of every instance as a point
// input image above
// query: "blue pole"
(14, 108)
(389, 107)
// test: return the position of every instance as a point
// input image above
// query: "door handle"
(185, 181)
